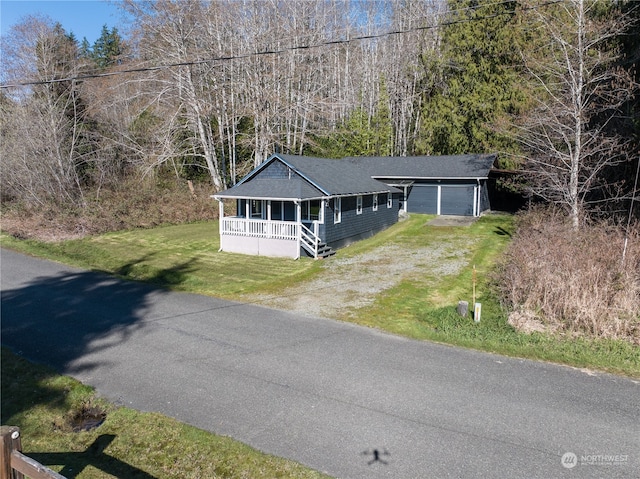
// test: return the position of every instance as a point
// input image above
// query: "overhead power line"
(269, 52)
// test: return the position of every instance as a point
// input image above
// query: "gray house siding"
(353, 226)
(485, 204)
(276, 170)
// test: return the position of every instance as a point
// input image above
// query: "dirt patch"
(86, 417)
(452, 221)
(354, 282)
(527, 322)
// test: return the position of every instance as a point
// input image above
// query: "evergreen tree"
(108, 48)
(85, 48)
(362, 134)
(472, 83)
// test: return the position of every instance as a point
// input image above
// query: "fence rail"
(14, 464)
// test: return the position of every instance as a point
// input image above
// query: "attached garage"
(442, 185)
(442, 199)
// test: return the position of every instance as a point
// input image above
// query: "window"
(389, 200)
(337, 210)
(375, 202)
(312, 211)
(359, 205)
(276, 210)
(256, 209)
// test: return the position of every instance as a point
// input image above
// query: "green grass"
(129, 444)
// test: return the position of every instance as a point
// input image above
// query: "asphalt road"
(321, 392)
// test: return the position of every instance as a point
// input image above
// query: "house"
(292, 205)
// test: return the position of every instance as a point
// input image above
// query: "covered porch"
(274, 227)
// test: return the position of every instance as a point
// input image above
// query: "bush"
(555, 278)
(132, 205)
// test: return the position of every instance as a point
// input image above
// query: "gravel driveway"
(348, 283)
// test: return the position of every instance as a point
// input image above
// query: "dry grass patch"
(558, 279)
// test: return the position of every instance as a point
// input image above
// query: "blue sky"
(84, 18)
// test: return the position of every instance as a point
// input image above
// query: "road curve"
(350, 401)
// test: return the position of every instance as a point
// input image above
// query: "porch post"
(299, 221)
(404, 206)
(220, 221)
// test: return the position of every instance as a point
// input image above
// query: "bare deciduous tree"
(579, 92)
(45, 150)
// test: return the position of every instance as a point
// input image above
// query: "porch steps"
(324, 251)
(319, 250)
(313, 245)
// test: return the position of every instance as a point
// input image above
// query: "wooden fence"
(14, 464)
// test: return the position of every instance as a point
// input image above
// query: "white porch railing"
(235, 226)
(309, 241)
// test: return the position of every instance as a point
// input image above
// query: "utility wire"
(270, 52)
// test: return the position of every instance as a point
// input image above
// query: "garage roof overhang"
(404, 180)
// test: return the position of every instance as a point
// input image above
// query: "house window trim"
(359, 204)
(337, 211)
(389, 200)
(375, 202)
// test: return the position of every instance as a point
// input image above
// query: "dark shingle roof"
(335, 177)
(273, 188)
(317, 177)
(426, 167)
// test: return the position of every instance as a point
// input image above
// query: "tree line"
(206, 90)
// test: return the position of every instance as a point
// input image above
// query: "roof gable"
(336, 177)
(305, 177)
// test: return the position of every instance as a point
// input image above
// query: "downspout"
(479, 206)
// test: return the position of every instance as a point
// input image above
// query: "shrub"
(555, 278)
(132, 205)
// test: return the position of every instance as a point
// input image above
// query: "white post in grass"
(477, 307)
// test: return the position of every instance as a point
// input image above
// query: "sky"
(84, 18)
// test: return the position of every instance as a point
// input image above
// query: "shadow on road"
(59, 318)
